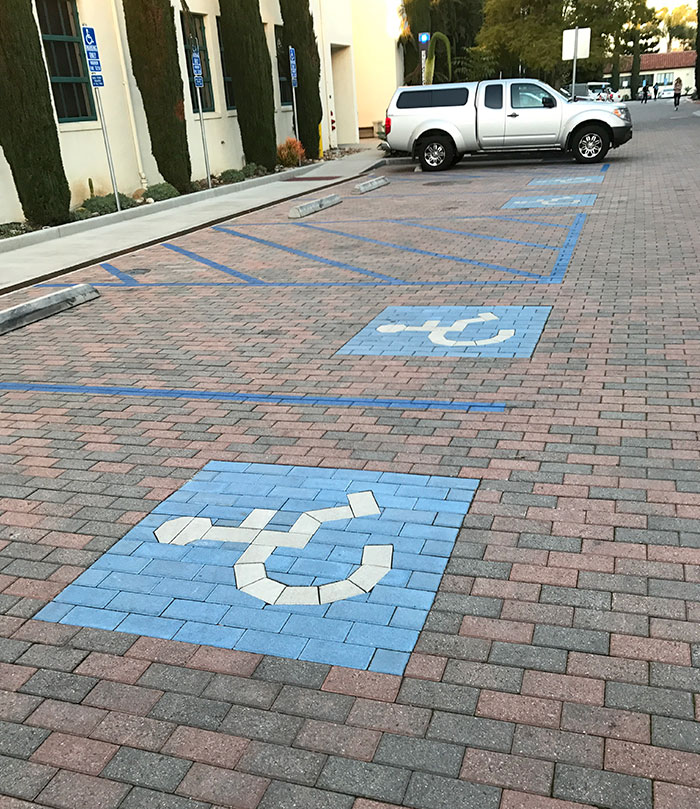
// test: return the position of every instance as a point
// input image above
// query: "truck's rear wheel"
(436, 153)
(591, 144)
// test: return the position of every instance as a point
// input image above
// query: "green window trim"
(229, 92)
(78, 82)
(207, 93)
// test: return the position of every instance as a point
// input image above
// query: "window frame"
(204, 59)
(82, 80)
(539, 106)
(497, 86)
(228, 79)
(284, 71)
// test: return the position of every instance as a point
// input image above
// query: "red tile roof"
(658, 61)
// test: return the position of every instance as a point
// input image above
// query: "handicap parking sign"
(330, 565)
(562, 201)
(198, 81)
(451, 331)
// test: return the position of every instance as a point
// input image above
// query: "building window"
(199, 34)
(228, 80)
(65, 57)
(283, 70)
(664, 78)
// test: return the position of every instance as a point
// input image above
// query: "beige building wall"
(378, 57)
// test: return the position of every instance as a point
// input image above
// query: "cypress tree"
(28, 134)
(150, 28)
(298, 31)
(248, 59)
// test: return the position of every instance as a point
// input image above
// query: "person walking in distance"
(656, 91)
(645, 94)
(677, 88)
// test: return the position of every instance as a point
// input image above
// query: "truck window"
(418, 99)
(453, 97)
(415, 99)
(493, 96)
(524, 95)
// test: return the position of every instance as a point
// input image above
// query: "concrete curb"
(47, 234)
(314, 206)
(370, 185)
(24, 313)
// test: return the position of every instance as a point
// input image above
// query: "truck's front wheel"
(436, 153)
(591, 144)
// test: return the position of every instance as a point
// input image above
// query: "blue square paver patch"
(451, 331)
(561, 201)
(584, 179)
(335, 566)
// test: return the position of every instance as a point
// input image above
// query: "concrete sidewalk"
(84, 243)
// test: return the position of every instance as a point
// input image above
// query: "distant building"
(658, 68)
(361, 66)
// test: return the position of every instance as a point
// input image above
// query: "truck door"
(491, 121)
(533, 117)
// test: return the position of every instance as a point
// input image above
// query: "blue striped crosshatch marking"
(505, 331)
(188, 592)
(560, 201)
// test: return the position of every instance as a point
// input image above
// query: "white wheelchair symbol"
(250, 571)
(437, 333)
(89, 41)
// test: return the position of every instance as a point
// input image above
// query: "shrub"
(161, 191)
(290, 153)
(252, 170)
(106, 204)
(248, 60)
(231, 176)
(298, 31)
(28, 135)
(150, 28)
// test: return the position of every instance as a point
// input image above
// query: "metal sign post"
(423, 43)
(95, 68)
(199, 83)
(575, 45)
(295, 84)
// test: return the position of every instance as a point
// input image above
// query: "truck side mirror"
(549, 102)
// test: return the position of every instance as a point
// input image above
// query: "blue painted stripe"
(374, 220)
(214, 264)
(430, 253)
(567, 251)
(468, 233)
(126, 280)
(605, 167)
(227, 396)
(304, 254)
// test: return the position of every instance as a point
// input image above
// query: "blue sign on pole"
(93, 56)
(198, 81)
(196, 64)
(293, 66)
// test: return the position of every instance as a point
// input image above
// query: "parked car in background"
(439, 124)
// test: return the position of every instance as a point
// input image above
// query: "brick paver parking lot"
(438, 575)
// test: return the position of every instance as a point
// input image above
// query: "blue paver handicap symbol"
(563, 201)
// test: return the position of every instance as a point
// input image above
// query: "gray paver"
(435, 792)
(423, 754)
(609, 790)
(146, 769)
(376, 781)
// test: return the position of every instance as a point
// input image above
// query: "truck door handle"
(513, 115)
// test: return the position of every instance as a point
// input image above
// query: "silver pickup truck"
(440, 123)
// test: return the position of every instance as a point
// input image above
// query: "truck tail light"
(387, 126)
